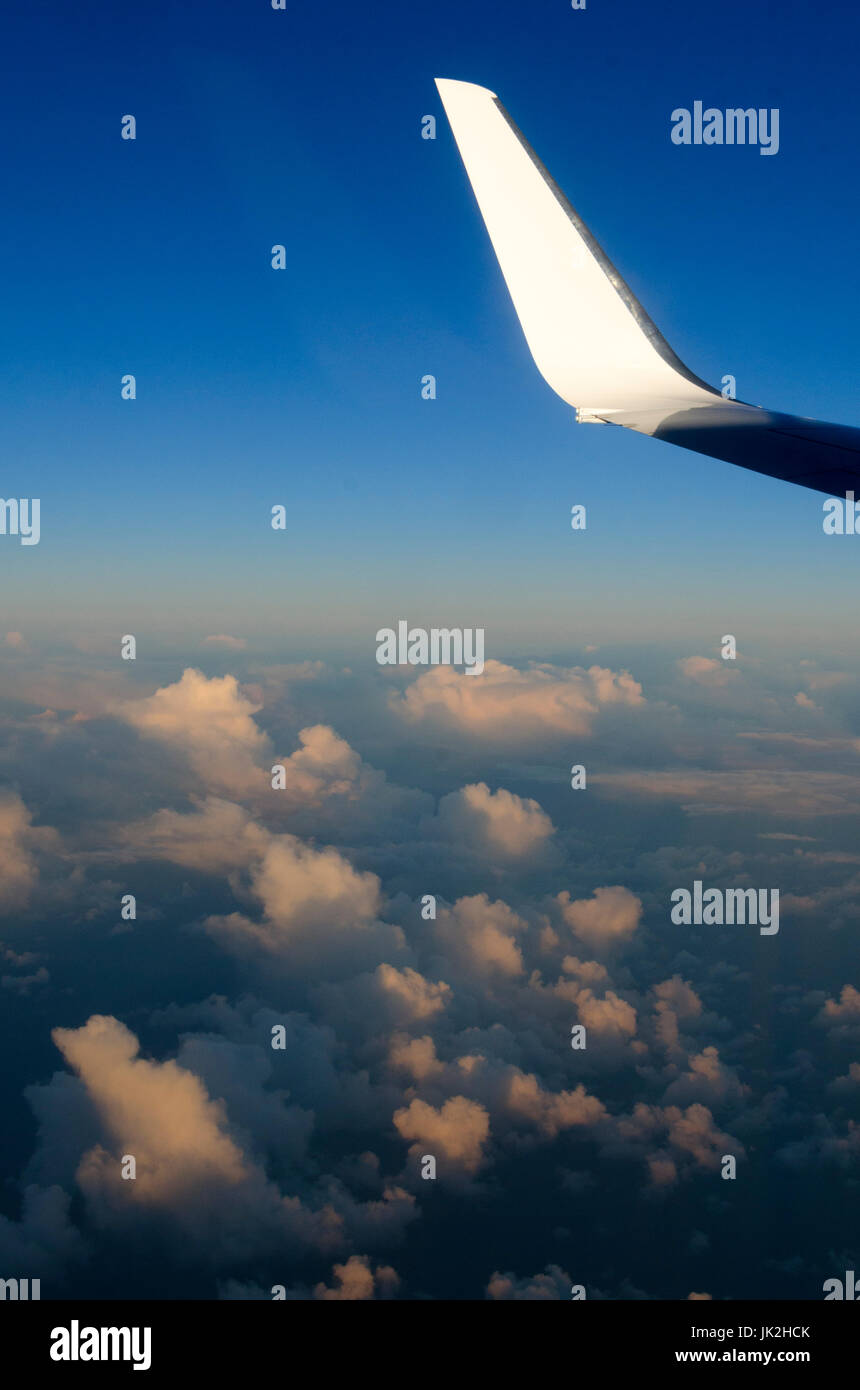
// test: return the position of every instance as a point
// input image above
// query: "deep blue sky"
(302, 387)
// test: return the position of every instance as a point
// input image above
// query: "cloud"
(22, 984)
(327, 785)
(480, 936)
(18, 841)
(370, 1003)
(158, 1112)
(210, 722)
(780, 793)
(455, 1134)
(189, 1168)
(324, 765)
(607, 1017)
(355, 1281)
(416, 998)
(554, 1284)
(506, 703)
(318, 912)
(551, 1111)
(222, 639)
(217, 838)
(707, 1080)
(493, 823)
(677, 1002)
(689, 1139)
(43, 1241)
(705, 670)
(608, 918)
(301, 886)
(17, 641)
(414, 1056)
(842, 1018)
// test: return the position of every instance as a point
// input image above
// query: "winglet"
(589, 336)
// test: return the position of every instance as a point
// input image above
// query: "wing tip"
(452, 87)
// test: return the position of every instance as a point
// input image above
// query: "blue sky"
(302, 127)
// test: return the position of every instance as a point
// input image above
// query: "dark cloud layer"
(408, 1029)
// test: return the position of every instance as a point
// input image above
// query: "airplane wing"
(590, 337)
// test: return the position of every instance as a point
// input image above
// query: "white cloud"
(209, 721)
(480, 936)
(217, 838)
(495, 823)
(610, 917)
(506, 703)
(705, 670)
(455, 1134)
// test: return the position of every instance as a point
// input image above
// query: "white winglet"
(588, 334)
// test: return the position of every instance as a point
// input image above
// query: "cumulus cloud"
(216, 838)
(608, 918)
(210, 722)
(686, 1138)
(553, 1284)
(705, 670)
(301, 886)
(159, 1112)
(414, 997)
(389, 997)
(44, 1241)
(18, 842)
(551, 1111)
(455, 1134)
(189, 1168)
(355, 1281)
(480, 936)
(498, 824)
(448, 1036)
(708, 1080)
(323, 764)
(676, 1003)
(606, 1017)
(507, 703)
(842, 1017)
(318, 911)
(326, 787)
(414, 1056)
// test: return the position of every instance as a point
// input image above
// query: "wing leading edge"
(590, 337)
